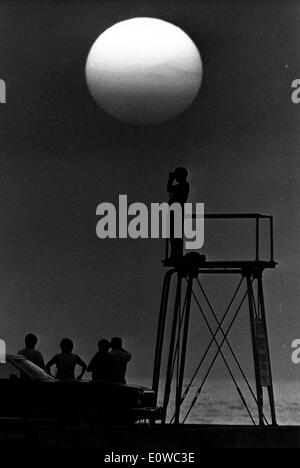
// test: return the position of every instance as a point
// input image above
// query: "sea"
(219, 402)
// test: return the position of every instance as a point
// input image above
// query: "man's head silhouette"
(66, 345)
(103, 346)
(30, 341)
(116, 343)
(181, 174)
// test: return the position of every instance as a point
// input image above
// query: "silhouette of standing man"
(31, 353)
(178, 193)
(66, 362)
(121, 358)
(101, 366)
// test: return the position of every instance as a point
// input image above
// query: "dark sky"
(61, 156)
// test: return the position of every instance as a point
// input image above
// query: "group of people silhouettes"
(109, 363)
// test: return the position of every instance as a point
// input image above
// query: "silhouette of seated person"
(66, 362)
(32, 354)
(120, 360)
(178, 189)
(101, 365)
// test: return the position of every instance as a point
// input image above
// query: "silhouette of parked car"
(27, 391)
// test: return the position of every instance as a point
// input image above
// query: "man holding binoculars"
(178, 189)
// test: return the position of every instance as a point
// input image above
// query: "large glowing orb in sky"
(144, 71)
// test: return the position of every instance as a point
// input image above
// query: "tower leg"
(263, 316)
(161, 331)
(169, 374)
(259, 390)
(184, 347)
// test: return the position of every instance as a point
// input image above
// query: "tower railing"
(259, 219)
